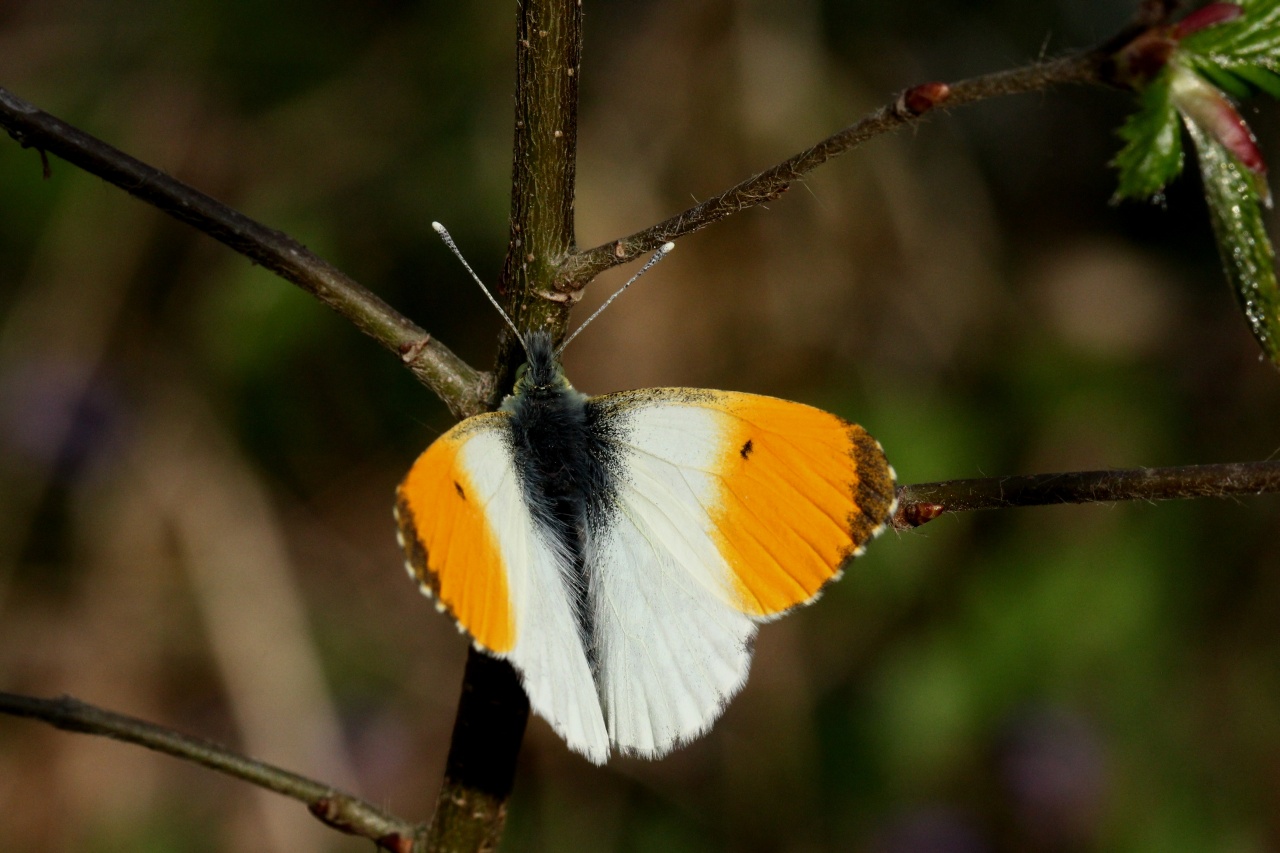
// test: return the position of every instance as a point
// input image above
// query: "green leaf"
(1233, 195)
(1152, 155)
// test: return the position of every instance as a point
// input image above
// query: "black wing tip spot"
(746, 449)
(461, 491)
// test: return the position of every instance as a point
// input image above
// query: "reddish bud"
(918, 100)
(1206, 16)
(916, 514)
(1201, 102)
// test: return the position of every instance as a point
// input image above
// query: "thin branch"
(472, 806)
(908, 108)
(471, 809)
(918, 504)
(339, 810)
(543, 168)
(462, 387)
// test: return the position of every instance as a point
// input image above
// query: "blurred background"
(197, 460)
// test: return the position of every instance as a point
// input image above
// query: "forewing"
(473, 545)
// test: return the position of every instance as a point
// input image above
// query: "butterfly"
(620, 551)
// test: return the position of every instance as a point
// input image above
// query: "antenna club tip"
(439, 228)
(666, 247)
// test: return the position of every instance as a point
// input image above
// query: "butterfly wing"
(474, 547)
(731, 509)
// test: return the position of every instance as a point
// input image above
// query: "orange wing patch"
(803, 490)
(452, 547)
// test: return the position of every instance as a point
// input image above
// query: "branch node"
(410, 350)
(396, 843)
(569, 297)
(327, 811)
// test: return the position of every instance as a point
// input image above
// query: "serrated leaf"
(1232, 193)
(1152, 154)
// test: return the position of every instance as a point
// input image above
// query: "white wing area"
(673, 649)
(548, 651)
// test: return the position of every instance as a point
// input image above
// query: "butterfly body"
(568, 469)
(621, 550)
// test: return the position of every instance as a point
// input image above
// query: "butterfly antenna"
(662, 252)
(448, 241)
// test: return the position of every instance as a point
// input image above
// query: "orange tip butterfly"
(620, 551)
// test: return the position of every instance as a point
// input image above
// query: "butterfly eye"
(522, 373)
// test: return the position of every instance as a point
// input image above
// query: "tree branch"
(543, 169)
(493, 712)
(471, 809)
(924, 502)
(906, 109)
(337, 809)
(462, 387)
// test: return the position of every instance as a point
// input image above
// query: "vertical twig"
(548, 60)
(472, 807)
(493, 710)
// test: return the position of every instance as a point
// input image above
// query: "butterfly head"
(541, 373)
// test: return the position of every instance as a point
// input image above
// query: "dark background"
(197, 460)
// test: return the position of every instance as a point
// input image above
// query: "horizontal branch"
(335, 808)
(462, 387)
(923, 502)
(908, 108)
